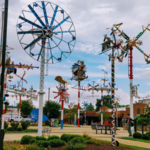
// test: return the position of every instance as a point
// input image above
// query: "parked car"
(21, 119)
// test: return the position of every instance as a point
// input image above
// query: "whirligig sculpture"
(85, 105)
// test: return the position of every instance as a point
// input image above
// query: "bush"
(65, 137)
(19, 129)
(148, 133)
(137, 135)
(42, 138)
(47, 122)
(33, 140)
(77, 140)
(45, 144)
(26, 139)
(5, 125)
(86, 136)
(145, 137)
(52, 137)
(75, 135)
(32, 147)
(24, 125)
(93, 141)
(56, 143)
(14, 125)
(10, 129)
(71, 146)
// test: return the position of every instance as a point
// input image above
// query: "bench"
(46, 130)
(104, 127)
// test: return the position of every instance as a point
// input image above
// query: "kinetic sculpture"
(64, 96)
(85, 105)
(53, 32)
(78, 71)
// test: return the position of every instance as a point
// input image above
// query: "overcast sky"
(90, 18)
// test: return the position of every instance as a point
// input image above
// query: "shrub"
(28, 123)
(56, 143)
(5, 125)
(19, 129)
(42, 138)
(24, 125)
(32, 147)
(145, 137)
(75, 135)
(45, 144)
(65, 137)
(148, 133)
(52, 137)
(47, 122)
(93, 141)
(14, 125)
(10, 129)
(39, 143)
(77, 140)
(86, 136)
(26, 139)
(33, 140)
(137, 135)
(71, 146)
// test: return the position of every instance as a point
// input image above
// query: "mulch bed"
(103, 146)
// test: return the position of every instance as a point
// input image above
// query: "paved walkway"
(81, 130)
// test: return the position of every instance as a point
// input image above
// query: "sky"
(90, 18)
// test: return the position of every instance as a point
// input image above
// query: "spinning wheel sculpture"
(47, 33)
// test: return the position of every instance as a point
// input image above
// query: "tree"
(106, 102)
(105, 115)
(26, 108)
(52, 109)
(90, 107)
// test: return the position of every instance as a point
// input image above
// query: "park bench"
(104, 127)
(46, 130)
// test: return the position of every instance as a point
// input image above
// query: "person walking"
(128, 125)
(124, 123)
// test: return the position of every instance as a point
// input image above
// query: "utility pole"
(3, 70)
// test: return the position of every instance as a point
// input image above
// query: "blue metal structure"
(47, 36)
(85, 105)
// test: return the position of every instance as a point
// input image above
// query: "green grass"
(24, 131)
(123, 145)
(134, 139)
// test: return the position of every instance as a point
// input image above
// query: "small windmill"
(85, 105)
(93, 88)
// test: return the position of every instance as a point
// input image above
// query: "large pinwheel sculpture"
(85, 105)
(47, 33)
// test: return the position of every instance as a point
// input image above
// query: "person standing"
(128, 125)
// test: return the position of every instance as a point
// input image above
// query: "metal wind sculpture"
(62, 92)
(130, 43)
(51, 36)
(78, 71)
(111, 44)
(85, 105)
(93, 88)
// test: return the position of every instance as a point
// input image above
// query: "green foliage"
(33, 140)
(26, 139)
(52, 137)
(86, 136)
(47, 122)
(77, 140)
(106, 102)
(93, 141)
(65, 137)
(26, 107)
(137, 135)
(14, 125)
(52, 108)
(40, 138)
(147, 112)
(105, 115)
(141, 119)
(24, 125)
(19, 129)
(74, 136)
(71, 146)
(90, 107)
(45, 144)
(5, 125)
(10, 129)
(148, 133)
(33, 147)
(56, 143)
(145, 136)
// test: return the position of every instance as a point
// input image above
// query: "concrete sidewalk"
(80, 131)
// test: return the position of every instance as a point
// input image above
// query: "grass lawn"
(134, 139)
(24, 131)
(135, 147)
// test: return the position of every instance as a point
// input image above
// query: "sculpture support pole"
(112, 96)
(131, 84)
(78, 103)
(19, 107)
(62, 107)
(75, 118)
(85, 118)
(40, 117)
(101, 107)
